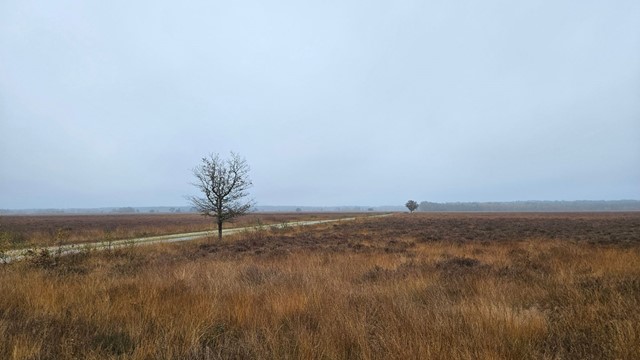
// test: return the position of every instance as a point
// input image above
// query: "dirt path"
(16, 255)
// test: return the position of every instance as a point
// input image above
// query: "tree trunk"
(219, 230)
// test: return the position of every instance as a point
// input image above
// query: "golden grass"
(406, 299)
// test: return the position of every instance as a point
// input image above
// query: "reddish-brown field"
(407, 286)
(47, 230)
(389, 233)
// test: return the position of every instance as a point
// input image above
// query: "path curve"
(16, 255)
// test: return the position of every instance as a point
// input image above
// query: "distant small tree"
(411, 205)
(224, 184)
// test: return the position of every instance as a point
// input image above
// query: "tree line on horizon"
(578, 205)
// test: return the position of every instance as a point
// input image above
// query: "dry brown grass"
(371, 289)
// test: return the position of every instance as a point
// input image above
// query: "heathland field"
(20, 231)
(406, 286)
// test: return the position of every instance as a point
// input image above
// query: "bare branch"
(224, 184)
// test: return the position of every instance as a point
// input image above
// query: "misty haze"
(319, 179)
(331, 103)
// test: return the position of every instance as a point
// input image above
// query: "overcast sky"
(112, 103)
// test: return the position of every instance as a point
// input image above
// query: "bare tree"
(224, 183)
(411, 205)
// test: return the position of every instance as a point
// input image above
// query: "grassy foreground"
(402, 287)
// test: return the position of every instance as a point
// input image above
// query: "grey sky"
(111, 103)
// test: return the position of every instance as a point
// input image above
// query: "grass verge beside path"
(25, 231)
(60, 250)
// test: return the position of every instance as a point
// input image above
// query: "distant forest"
(534, 206)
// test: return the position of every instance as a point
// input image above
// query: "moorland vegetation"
(437, 286)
